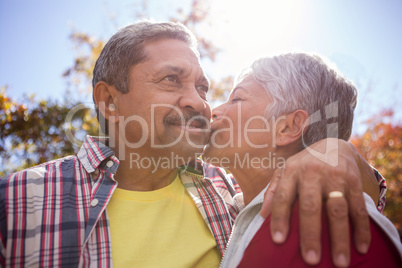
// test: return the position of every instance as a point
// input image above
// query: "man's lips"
(190, 123)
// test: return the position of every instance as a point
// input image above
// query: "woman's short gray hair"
(308, 82)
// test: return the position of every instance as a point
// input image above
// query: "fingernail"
(341, 260)
(311, 257)
(363, 248)
(278, 237)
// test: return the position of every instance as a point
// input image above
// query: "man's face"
(166, 109)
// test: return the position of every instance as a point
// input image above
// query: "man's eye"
(172, 78)
(203, 89)
(236, 100)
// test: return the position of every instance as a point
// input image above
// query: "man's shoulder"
(221, 178)
(51, 168)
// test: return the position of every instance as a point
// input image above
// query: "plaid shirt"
(54, 214)
(383, 190)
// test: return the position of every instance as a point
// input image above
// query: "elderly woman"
(280, 106)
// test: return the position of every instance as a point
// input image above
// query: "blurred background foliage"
(34, 131)
(381, 146)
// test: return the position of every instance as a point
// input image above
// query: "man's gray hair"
(126, 48)
(307, 82)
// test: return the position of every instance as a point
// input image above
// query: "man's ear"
(104, 98)
(292, 127)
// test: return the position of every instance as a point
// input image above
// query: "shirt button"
(94, 202)
(109, 164)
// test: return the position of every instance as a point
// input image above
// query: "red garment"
(262, 252)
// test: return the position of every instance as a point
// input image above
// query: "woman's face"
(239, 126)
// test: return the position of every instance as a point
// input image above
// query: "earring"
(112, 107)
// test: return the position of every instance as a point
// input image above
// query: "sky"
(362, 37)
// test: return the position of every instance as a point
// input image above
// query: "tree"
(381, 146)
(34, 131)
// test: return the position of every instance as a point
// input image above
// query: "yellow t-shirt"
(161, 228)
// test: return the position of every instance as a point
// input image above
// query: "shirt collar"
(195, 167)
(94, 153)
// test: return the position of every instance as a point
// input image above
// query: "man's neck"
(142, 169)
(143, 179)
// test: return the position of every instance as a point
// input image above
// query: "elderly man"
(141, 197)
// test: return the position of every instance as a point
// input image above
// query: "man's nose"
(191, 99)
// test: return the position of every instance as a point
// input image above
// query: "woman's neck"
(252, 181)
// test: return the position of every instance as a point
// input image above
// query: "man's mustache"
(192, 118)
